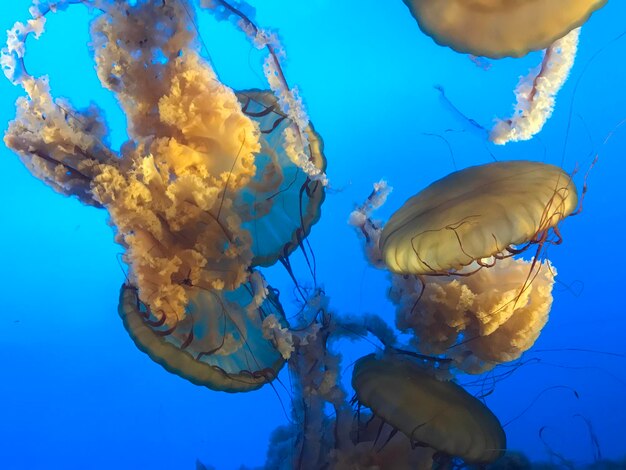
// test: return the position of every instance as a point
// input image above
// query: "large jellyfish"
(457, 284)
(430, 412)
(475, 214)
(211, 183)
(281, 201)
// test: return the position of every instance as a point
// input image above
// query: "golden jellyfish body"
(436, 413)
(479, 321)
(474, 214)
(458, 288)
(500, 28)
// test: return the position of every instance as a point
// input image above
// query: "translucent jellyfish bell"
(476, 213)
(281, 203)
(500, 28)
(432, 412)
(220, 342)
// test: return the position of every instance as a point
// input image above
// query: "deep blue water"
(77, 394)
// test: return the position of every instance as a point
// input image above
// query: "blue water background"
(77, 394)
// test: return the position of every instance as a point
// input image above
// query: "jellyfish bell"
(281, 203)
(500, 28)
(438, 414)
(476, 215)
(219, 344)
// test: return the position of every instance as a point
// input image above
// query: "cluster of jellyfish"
(215, 184)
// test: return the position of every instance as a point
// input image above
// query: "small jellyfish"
(500, 28)
(432, 412)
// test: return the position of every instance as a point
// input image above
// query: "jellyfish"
(430, 412)
(500, 28)
(467, 296)
(209, 186)
(282, 202)
(479, 321)
(459, 283)
(476, 214)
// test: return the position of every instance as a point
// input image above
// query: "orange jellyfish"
(504, 28)
(457, 285)
(431, 412)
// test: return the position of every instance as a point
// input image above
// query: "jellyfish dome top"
(500, 28)
(211, 183)
(431, 412)
(476, 214)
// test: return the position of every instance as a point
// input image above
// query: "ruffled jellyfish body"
(438, 414)
(458, 286)
(479, 321)
(474, 214)
(219, 344)
(500, 28)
